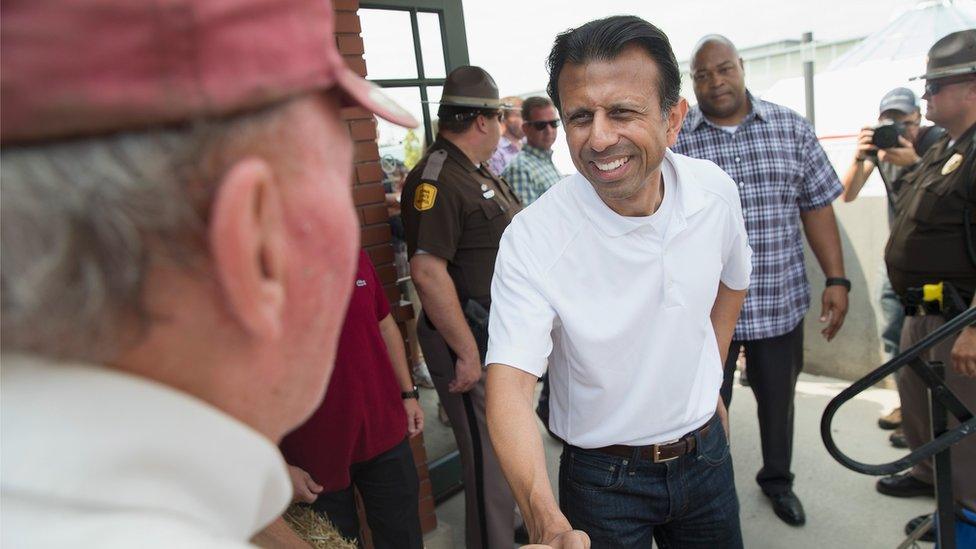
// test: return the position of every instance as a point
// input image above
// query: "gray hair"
(83, 220)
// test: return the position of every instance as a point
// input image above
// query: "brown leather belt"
(659, 453)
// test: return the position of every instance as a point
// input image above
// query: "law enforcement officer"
(928, 245)
(455, 210)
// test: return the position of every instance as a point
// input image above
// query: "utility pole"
(809, 54)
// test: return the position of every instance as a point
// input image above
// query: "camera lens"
(886, 136)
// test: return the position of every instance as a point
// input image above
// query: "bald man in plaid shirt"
(784, 179)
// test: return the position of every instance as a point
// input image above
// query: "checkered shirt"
(531, 173)
(781, 170)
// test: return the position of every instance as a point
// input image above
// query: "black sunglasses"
(540, 125)
(932, 87)
(497, 115)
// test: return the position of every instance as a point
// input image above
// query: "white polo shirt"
(620, 305)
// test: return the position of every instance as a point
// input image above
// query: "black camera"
(886, 134)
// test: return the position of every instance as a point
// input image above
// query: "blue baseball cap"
(899, 99)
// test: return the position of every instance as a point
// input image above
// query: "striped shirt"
(504, 153)
(781, 170)
(531, 173)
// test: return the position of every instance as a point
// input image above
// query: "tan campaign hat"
(471, 87)
(954, 54)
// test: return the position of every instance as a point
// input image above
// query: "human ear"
(246, 238)
(675, 119)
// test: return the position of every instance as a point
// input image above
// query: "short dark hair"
(458, 119)
(535, 102)
(604, 39)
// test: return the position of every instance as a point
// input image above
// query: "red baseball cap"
(70, 68)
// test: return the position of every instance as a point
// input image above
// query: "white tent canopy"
(847, 94)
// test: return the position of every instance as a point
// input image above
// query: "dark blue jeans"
(689, 502)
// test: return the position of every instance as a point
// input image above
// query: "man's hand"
(570, 539)
(305, 489)
(467, 373)
(415, 416)
(864, 146)
(723, 415)
(964, 353)
(834, 310)
(903, 155)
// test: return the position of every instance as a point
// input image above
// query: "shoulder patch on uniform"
(424, 196)
(950, 166)
(435, 161)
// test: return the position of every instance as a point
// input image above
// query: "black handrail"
(910, 358)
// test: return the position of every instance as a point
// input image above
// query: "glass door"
(410, 46)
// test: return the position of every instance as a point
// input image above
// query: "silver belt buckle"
(657, 451)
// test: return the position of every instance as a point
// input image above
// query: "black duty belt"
(941, 299)
(658, 453)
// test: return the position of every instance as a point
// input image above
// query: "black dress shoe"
(788, 508)
(913, 524)
(904, 485)
(897, 439)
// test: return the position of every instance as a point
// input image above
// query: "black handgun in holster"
(934, 299)
(477, 316)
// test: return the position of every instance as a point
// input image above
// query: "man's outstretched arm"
(518, 445)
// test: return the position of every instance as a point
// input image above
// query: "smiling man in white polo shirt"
(626, 281)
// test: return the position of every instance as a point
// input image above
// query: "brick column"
(369, 198)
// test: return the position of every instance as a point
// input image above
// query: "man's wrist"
(553, 524)
(838, 281)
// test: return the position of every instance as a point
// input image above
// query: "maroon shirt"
(362, 414)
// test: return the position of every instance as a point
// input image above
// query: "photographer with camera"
(889, 146)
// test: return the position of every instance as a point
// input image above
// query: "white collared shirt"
(92, 457)
(620, 305)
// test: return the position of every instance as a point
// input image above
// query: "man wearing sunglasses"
(454, 212)
(929, 244)
(532, 172)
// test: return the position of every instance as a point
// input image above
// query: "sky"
(511, 38)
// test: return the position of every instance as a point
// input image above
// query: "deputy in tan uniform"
(454, 212)
(928, 245)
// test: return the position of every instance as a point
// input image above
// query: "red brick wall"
(369, 196)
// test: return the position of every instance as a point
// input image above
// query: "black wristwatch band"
(414, 394)
(838, 281)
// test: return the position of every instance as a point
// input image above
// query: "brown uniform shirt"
(457, 211)
(928, 243)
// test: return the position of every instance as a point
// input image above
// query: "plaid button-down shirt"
(781, 170)
(531, 173)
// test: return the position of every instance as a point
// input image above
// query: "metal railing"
(942, 401)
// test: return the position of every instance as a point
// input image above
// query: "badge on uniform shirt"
(950, 166)
(488, 194)
(424, 197)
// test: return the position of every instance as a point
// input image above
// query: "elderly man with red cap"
(179, 244)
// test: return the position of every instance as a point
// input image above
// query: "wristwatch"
(414, 394)
(839, 281)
